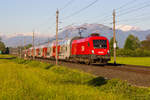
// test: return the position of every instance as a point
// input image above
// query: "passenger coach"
(89, 50)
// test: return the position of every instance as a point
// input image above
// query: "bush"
(133, 53)
(33, 63)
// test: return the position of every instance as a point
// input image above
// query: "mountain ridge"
(72, 31)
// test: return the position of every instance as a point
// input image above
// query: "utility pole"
(24, 48)
(20, 51)
(114, 35)
(57, 13)
(33, 46)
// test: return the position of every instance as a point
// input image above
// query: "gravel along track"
(135, 75)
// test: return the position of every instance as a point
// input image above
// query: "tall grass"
(32, 80)
(143, 61)
(6, 56)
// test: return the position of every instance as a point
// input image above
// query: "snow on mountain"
(17, 39)
(23, 35)
(105, 31)
(127, 28)
(72, 31)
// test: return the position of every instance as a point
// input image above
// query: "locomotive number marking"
(82, 48)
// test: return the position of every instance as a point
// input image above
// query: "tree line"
(3, 49)
(133, 47)
(6, 50)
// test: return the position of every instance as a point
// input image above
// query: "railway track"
(121, 67)
(135, 75)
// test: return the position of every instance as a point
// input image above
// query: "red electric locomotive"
(93, 49)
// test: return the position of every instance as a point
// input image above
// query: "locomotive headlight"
(93, 51)
(108, 51)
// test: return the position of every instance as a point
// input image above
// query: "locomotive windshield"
(100, 43)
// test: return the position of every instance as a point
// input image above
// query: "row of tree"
(133, 47)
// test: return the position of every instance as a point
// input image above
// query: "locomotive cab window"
(100, 43)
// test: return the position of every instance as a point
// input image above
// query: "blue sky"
(25, 15)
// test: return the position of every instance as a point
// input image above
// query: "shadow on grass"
(9, 58)
(112, 64)
(49, 66)
(108, 64)
(98, 81)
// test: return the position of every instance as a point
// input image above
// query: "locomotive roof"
(30, 47)
(44, 45)
(62, 42)
(41, 46)
(90, 37)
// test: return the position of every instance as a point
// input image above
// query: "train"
(88, 50)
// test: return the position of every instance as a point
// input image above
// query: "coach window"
(61, 49)
(48, 53)
(54, 50)
(39, 52)
(50, 50)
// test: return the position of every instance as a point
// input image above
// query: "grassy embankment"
(143, 61)
(32, 80)
(6, 56)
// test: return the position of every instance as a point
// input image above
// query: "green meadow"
(32, 80)
(143, 61)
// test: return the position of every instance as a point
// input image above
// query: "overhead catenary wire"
(53, 15)
(146, 4)
(82, 9)
(108, 16)
(66, 5)
(135, 18)
(135, 21)
(134, 9)
(126, 4)
(134, 5)
(119, 9)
